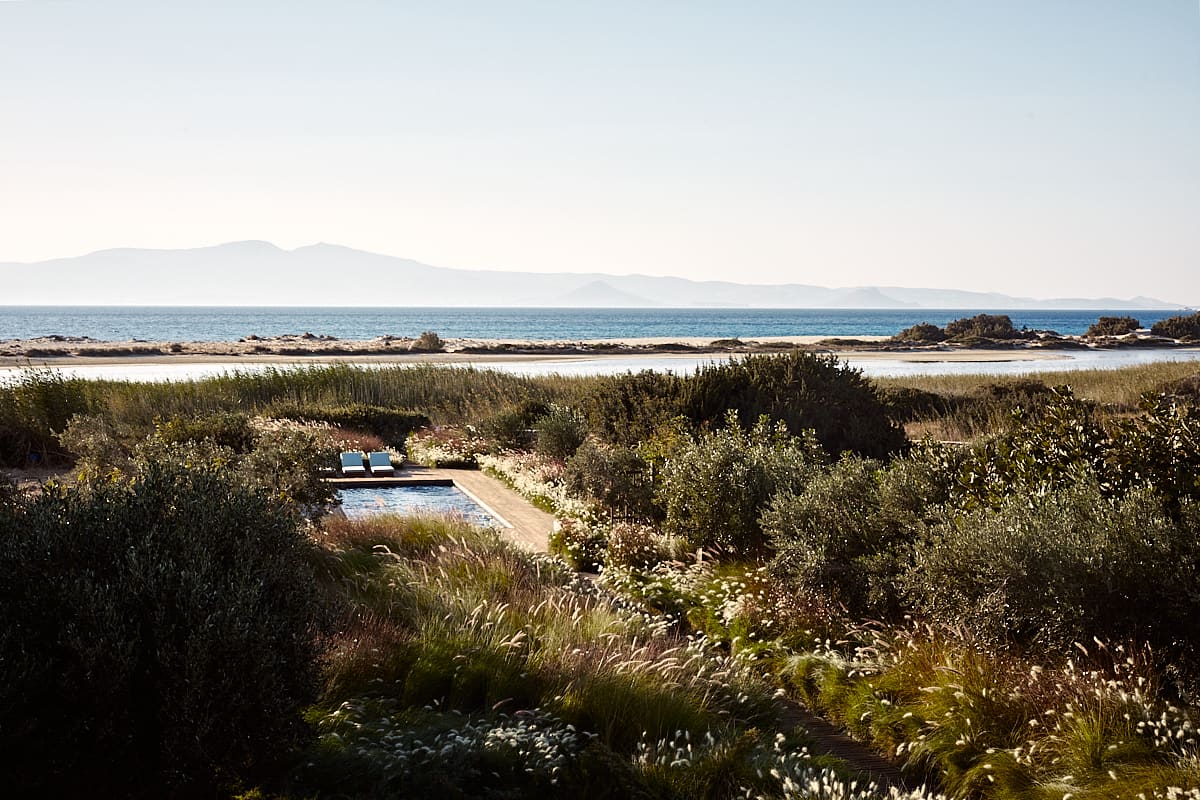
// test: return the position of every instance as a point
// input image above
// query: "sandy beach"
(57, 351)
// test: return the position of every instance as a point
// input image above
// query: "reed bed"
(1117, 388)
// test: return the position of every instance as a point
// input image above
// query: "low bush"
(581, 544)
(628, 409)
(921, 333)
(1055, 448)
(1112, 326)
(34, 409)
(847, 534)
(1065, 567)
(616, 477)
(907, 404)
(636, 546)
(984, 326)
(1178, 327)
(228, 429)
(512, 427)
(560, 433)
(428, 342)
(715, 484)
(445, 446)
(1182, 390)
(159, 635)
(801, 390)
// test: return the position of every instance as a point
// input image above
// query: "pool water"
(443, 500)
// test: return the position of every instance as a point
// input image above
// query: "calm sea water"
(224, 324)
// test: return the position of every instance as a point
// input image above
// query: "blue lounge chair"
(381, 463)
(352, 465)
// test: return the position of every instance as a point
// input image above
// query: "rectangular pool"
(361, 502)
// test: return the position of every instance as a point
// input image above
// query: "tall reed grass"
(1115, 388)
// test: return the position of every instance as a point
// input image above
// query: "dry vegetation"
(1011, 618)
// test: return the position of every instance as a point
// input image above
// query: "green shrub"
(158, 637)
(229, 429)
(629, 408)
(512, 427)
(984, 326)
(1159, 448)
(1052, 449)
(801, 390)
(907, 404)
(579, 544)
(560, 433)
(1113, 326)
(1184, 390)
(846, 535)
(287, 463)
(1065, 567)
(715, 485)
(1179, 327)
(921, 333)
(97, 444)
(429, 342)
(634, 546)
(1065, 442)
(616, 477)
(445, 447)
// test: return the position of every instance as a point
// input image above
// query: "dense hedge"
(158, 637)
(802, 390)
(922, 333)
(984, 326)
(714, 485)
(1180, 327)
(1070, 566)
(1113, 326)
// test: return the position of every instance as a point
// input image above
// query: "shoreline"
(83, 352)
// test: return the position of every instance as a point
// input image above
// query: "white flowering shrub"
(445, 446)
(775, 770)
(539, 480)
(580, 544)
(525, 752)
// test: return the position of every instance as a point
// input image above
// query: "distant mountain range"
(261, 274)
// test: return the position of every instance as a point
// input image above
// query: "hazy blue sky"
(1037, 148)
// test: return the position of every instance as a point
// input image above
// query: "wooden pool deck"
(528, 525)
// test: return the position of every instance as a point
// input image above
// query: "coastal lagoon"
(872, 365)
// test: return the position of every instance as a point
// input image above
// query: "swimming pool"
(444, 500)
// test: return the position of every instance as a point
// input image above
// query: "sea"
(551, 324)
(203, 324)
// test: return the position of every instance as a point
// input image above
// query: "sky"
(1035, 147)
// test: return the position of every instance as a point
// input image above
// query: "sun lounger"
(381, 463)
(352, 465)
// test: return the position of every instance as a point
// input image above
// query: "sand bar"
(79, 352)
